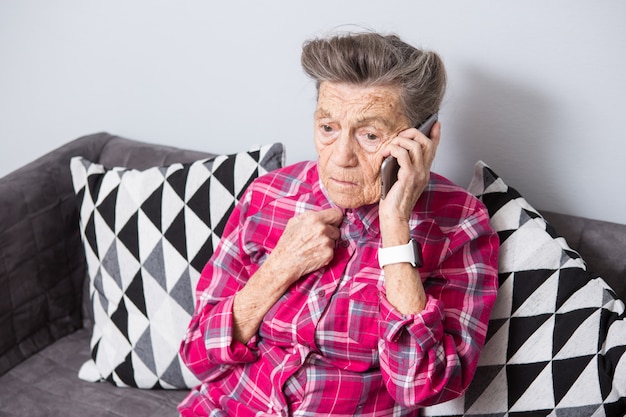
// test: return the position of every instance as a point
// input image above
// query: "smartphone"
(390, 167)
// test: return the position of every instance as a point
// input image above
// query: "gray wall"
(537, 88)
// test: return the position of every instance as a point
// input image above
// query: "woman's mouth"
(343, 183)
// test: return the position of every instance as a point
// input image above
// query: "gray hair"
(372, 59)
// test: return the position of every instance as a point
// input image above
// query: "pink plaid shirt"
(333, 345)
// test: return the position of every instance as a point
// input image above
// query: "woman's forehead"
(363, 102)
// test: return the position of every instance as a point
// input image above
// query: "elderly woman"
(316, 301)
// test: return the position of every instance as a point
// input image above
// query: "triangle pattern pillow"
(556, 340)
(147, 236)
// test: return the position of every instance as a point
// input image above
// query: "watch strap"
(409, 253)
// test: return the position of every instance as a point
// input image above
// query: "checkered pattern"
(333, 344)
(147, 235)
(557, 335)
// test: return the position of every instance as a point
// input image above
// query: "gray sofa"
(45, 322)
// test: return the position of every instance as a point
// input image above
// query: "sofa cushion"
(557, 334)
(147, 235)
(46, 386)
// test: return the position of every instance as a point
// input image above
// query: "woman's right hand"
(307, 244)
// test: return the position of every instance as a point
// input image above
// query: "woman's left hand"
(415, 153)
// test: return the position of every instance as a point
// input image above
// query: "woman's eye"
(327, 128)
(371, 136)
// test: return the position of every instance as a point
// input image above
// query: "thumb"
(332, 216)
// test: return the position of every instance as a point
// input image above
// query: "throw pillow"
(557, 335)
(147, 235)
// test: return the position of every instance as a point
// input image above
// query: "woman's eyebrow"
(322, 113)
(374, 120)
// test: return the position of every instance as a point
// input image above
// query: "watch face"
(417, 252)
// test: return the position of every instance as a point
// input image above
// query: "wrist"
(394, 234)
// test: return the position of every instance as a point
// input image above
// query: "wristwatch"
(410, 253)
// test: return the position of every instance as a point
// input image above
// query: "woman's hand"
(307, 244)
(415, 153)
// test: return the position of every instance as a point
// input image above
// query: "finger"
(409, 151)
(410, 133)
(435, 134)
(418, 145)
(333, 232)
(332, 216)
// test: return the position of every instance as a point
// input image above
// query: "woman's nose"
(343, 152)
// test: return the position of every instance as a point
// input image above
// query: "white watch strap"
(396, 255)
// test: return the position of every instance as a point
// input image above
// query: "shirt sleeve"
(209, 349)
(431, 357)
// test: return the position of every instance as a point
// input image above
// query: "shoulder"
(286, 180)
(450, 218)
(451, 206)
(292, 180)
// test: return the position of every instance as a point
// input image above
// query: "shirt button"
(321, 293)
(345, 243)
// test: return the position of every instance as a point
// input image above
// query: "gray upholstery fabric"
(139, 155)
(47, 385)
(601, 244)
(42, 266)
(42, 279)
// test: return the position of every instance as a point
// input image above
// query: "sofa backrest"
(601, 244)
(42, 261)
(42, 268)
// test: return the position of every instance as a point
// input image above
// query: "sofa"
(47, 300)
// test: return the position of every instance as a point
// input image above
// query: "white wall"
(537, 88)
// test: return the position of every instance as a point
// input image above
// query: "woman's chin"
(350, 199)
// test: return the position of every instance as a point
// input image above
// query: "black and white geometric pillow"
(147, 236)
(556, 340)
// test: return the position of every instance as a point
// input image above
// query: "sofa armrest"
(42, 263)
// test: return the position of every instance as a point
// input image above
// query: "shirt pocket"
(364, 314)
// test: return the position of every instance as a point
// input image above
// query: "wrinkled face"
(352, 126)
